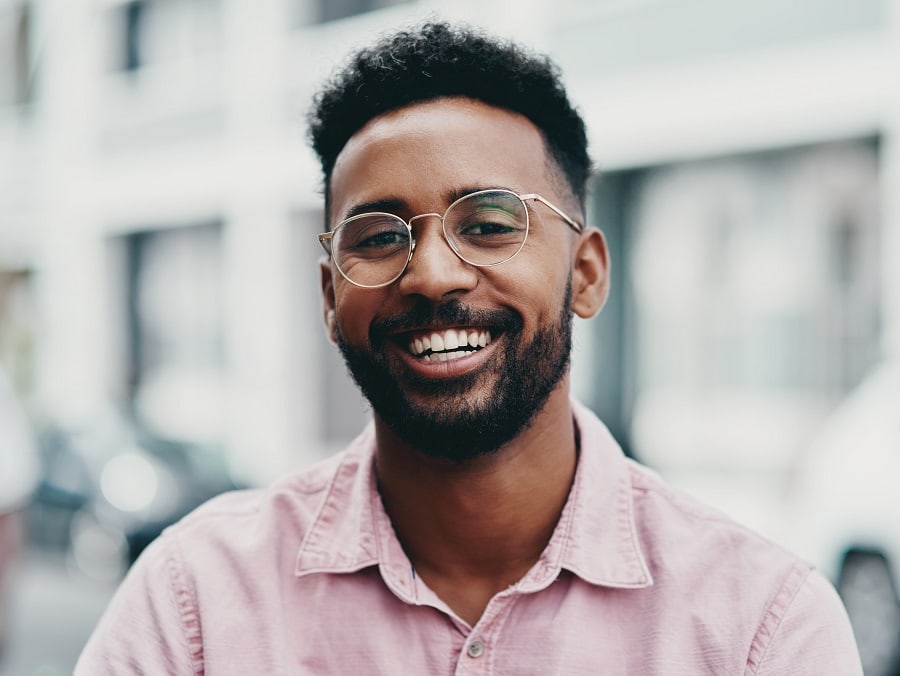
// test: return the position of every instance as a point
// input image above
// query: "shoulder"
(294, 491)
(238, 550)
(805, 626)
(718, 568)
(688, 542)
(263, 529)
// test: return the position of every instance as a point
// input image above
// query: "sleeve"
(812, 636)
(152, 624)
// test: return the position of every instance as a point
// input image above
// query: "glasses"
(484, 228)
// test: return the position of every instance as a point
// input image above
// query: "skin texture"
(470, 526)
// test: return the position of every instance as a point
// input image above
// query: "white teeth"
(444, 345)
(445, 356)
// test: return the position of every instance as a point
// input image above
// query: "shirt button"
(475, 649)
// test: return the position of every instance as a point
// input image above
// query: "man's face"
(515, 318)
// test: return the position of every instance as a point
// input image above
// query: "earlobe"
(328, 305)
(590, 274)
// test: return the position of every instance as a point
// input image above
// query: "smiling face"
(457, 359)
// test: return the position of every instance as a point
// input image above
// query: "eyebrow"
(394, 205)
(390, 205)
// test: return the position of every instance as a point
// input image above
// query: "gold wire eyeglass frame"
(325, 238)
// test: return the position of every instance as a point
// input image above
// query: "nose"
(435, 271)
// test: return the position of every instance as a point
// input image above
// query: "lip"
(442, 370)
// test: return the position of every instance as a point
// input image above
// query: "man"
(485, 522)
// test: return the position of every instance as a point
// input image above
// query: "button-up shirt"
(308, 577)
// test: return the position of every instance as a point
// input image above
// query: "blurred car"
(108, 491)
(847, 507)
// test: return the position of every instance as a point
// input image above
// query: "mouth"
(435, 345)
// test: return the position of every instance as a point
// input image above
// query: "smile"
(447, 344)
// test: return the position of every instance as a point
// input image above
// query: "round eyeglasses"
(484, 228)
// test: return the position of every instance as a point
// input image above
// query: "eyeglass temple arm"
(575, 225)
(325, 241)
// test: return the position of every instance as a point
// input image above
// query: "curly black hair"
(439, 60)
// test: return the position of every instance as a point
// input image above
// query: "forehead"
(422, 153)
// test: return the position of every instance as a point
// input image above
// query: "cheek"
(354, 311)
(540, 286)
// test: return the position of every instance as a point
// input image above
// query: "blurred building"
(158, 262)
(158, 207)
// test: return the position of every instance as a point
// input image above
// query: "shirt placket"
(478, 654)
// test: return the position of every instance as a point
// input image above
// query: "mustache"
(449, 313)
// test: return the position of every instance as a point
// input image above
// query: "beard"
(460, 427)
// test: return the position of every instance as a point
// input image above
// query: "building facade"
(158, 207)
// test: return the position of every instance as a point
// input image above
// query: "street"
(52, 612)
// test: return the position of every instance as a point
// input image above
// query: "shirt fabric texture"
(308, 577)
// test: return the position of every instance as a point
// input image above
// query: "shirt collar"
(342, 536)
(596, 537)
(601, 544)
(352, 531)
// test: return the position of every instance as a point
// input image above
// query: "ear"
(590, 274)
(326, 279)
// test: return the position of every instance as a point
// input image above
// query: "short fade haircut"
(438, 60)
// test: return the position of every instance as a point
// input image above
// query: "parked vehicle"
(848, 513)
(108, 491)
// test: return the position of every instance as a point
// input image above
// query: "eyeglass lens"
(485, 228)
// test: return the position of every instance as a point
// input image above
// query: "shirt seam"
(775, 613)
(513, 601)
(219, 512)
(188, 611)
(628, 526)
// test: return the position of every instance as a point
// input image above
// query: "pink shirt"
(308, 578)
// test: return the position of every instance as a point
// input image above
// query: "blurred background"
(160, 333)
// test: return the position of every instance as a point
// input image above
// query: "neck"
(472, 529)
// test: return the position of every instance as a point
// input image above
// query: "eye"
(484, 228)
(489, 225)
(373, 234)
(385, 238)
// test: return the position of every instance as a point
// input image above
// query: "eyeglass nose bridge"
(453, 244)
(444, 236)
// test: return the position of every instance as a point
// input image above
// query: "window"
(176, 332)
(323, 11)
(16, 62)
(752, 300)
(17, 327)
(158, 31)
